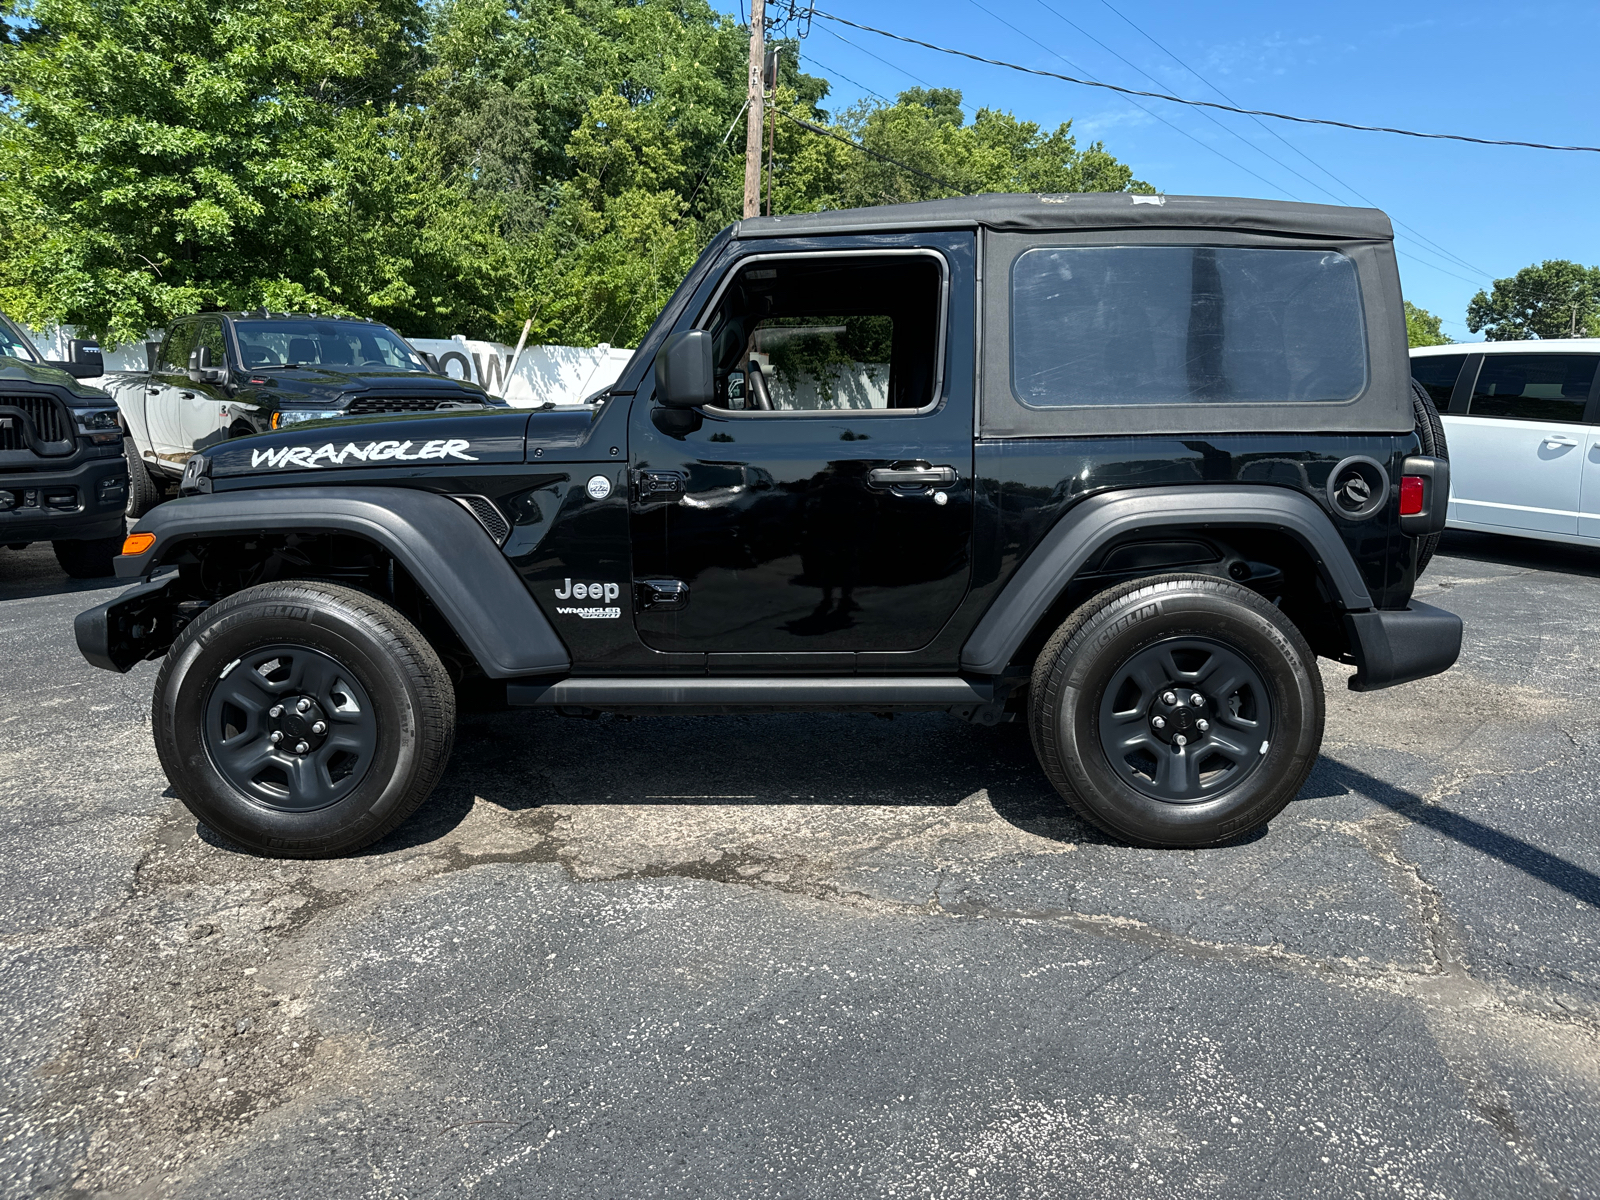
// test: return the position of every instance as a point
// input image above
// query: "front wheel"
(303, 719)
(1177, 711)
(91, 559)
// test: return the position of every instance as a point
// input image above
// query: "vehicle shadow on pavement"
(1504, 550)
(26, 574)
(1577, 882)
(523, 761)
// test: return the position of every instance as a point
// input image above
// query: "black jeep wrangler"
(63, 477)
(1118, 466)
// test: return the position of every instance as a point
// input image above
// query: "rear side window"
(1103, 325)
(1437, 375)
(1533, 387)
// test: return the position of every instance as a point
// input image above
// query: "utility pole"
(754, 121)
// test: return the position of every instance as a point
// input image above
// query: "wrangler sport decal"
(307, 457)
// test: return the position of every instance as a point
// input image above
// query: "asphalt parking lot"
(820, 956)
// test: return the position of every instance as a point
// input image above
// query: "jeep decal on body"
(307, 457)
(589, 591)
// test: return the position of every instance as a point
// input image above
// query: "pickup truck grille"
(35, 422)
(403, 404)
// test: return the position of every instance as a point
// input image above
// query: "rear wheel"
(92, 559)
(1177, 711)
(303, 719)
(1430, 432)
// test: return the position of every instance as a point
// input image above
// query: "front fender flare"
(1088, 526)
(446, 551)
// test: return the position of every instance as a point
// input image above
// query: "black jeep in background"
(223, 375)
(63, 477)
(1120, 467)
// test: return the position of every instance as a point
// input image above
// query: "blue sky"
(1521, 71)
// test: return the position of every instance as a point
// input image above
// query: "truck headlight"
(293, 416)
(100, 425)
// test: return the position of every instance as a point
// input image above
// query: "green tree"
(1555, 299)
(1422, 327)
(162, 156)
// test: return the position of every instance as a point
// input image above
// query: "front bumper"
(129, 628)
(74, 503)
(1398, 645)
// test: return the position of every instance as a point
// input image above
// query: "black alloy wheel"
(302, 719)
(1176, 711)
(291, 728)
(1185, 719)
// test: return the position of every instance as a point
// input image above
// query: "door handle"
(1555, 439)
(186, 395)
(911, 477)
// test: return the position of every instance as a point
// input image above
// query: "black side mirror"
(79, 370)
(685, 371)
(86, 353)
(201, 368)
(432, 362)
(152, 355)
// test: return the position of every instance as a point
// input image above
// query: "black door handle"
(911, 477)
(186, 395)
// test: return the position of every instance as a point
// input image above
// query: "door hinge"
(650, 487)
(661, 594)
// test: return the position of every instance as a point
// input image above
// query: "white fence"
(543, 375)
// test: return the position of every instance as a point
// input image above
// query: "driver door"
(818, 517)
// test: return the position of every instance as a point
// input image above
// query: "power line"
(854, 145)
(1135, 103)
(1447, 254)
(1248, 112)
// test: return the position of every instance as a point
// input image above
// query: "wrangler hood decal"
(369, 444)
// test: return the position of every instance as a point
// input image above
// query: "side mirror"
(432, 362)
(201, 368)
(685, 371)
(152, 355)
(86, 353)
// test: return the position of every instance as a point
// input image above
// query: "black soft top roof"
(1034, 212)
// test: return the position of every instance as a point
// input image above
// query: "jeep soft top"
(63, 478)
(1120, 467)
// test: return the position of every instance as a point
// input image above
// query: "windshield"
(315, 343)
(14, 345)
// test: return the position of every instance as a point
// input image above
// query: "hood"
(14, 371)
(372, 444)
(329, 384)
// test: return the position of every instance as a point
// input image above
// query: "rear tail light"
(1411, 493)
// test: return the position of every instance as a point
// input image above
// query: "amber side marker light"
(138, 543)
(1410, 495)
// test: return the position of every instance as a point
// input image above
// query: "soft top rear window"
(1120, 325)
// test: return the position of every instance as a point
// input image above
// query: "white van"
(1524, 438)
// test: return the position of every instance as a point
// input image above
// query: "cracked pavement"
(819, 955)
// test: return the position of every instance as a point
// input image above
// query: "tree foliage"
(1423, 328)
(1554, 299)
(460, 167)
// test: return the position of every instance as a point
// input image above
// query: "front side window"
(175, 349)
(1437, 375)
(1533, 387)
(310, 342)
(14, 345)
(827, 334)
(1116, 325)
(208, 334)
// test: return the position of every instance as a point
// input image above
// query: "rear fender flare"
(1090, 525)
(446, 551)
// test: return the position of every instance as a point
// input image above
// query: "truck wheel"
(90, 559)
(302, 719)
(1176, 711)
(1430, 432)
(144, 493)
